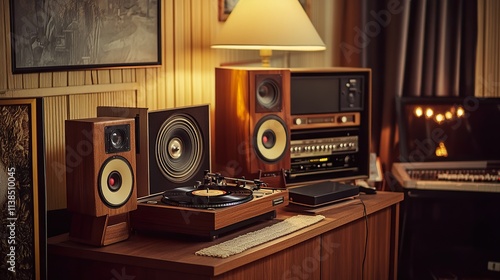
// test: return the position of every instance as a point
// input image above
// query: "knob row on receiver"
(322, 146)
(325, 120)
(331, 147)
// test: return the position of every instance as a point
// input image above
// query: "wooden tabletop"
(177, 253)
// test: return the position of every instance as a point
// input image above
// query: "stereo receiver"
(330, 124)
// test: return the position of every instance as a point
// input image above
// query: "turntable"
(212, 207)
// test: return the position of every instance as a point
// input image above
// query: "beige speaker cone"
(118, 197)
(281, 138)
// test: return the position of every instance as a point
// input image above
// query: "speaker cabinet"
(179, 147)
(251, 132)
(140, 115)
(100, 178)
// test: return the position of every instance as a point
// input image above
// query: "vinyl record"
(207, 198)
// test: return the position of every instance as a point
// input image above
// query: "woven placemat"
(254, 238)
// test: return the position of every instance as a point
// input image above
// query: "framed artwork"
(62, 35)
(22, 190)
(227, 6)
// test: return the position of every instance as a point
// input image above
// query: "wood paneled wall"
(185, 77)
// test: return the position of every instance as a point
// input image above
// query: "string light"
(438, 117)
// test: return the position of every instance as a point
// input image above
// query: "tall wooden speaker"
(251, 132)
(101, 185)
(140, 115)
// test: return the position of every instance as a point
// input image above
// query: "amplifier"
(329, 124)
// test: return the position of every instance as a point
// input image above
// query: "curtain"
(488, 56)
(414, 48)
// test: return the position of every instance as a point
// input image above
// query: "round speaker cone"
(175, 148)
(117, 138)
(271, 137)
(115, 181)
(268, 139)
(268, 93)
(179, 148)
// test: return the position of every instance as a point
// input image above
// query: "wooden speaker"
(179, 147)
(100, 177)
(251, 132)
(140, 115)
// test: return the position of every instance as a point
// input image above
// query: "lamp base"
(265, 56)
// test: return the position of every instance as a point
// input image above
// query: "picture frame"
(227, 6)
(22, 188)
(64, 35)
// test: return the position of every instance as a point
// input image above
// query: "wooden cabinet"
(355, 255)
(331, 249)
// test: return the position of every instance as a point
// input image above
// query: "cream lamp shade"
(268, 25)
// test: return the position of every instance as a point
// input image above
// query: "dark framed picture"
(227, 6)
(22, 190)
(62, 35)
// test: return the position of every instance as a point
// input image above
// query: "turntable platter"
(221, 196)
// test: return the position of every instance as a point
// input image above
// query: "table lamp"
(268, 25)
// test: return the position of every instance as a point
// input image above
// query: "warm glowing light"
(460, 112)
(429, 112)
(419, 112)
(441, 151)
(255, 25)
(439, 118)
(448, 115)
